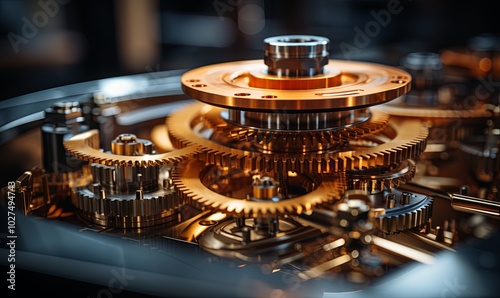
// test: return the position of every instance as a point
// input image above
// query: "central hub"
(296, 77)
(296, 55)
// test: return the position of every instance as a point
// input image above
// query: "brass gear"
(399, 141)
(187, 178)
(86, 146)
(379, 179)
(292, 141)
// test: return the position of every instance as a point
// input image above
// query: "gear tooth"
(136, 208)
(259, 211)
(393, 156)
(93, 206)
(403, 222)
(315, 166)
(391, 224)
(414, 219)
(239, 209)
(225, 206)
(199, 199)
(376, 159)
(348, 163)
(85, 203)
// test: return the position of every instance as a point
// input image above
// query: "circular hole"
(208, 222)
(198, 85)
(192, 81)
(269, 96)
(398, 81)
(295, 40)
(242, 94)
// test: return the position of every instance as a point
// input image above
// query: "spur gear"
(131, 185)
(399, 141)
(410, 211)
(380, 178)
(190, 181)
(293, 141)
(392, 210)
(127, 211)
(86, 146)
(395, 210)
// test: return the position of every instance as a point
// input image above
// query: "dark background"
(78, 41)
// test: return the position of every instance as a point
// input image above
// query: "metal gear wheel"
(125, 211)
(395, 210)
(399, 141)
(413, 215)
(131, 186)
(188, 176)
(86, 146)
(293, 141)
(380, 178)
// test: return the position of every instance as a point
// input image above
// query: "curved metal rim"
(190, 187)
(373, 84)
(86, 146)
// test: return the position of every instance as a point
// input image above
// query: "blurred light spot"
(485, 64)
(266, 269)
(251, 19)
(278, 293)
(117, 87)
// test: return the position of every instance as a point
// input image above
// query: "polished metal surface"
(296, 55)
(361, 84)
(296, 176)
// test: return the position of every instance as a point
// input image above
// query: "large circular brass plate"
(358, 84)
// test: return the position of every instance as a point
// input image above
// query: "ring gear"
(188, 176)
(399, 141)
(264, 140)
(380, 178)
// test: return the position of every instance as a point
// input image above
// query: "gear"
(264, 140)
(399, 141)
(378, 179)
(395, 210)
(125, 211)
(86, 146)
(188, 178)
(413, 215)
(131, 185)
